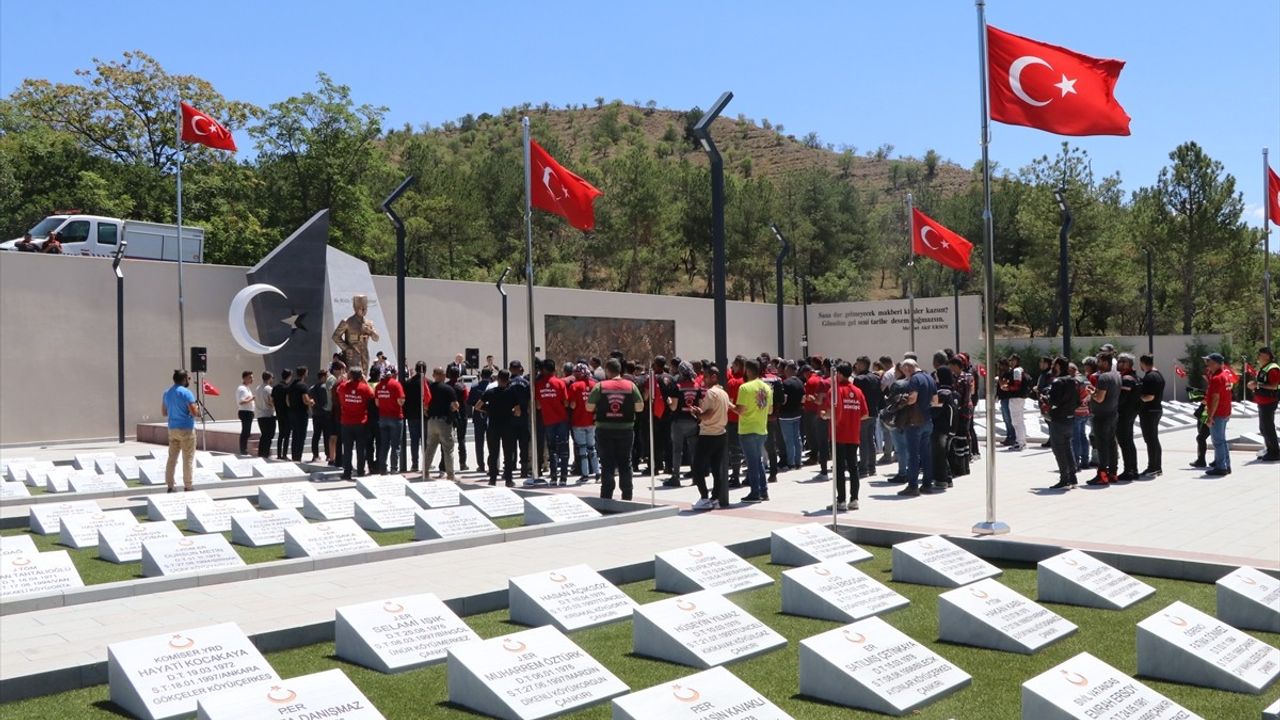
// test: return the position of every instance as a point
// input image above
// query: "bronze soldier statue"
(353, 334)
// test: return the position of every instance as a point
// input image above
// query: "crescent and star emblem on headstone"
(1248, 580)
(1015, 80)
(819, 570)
(1075, 678)
(20, 561)
(684, 694)
(980, 594)
(1175, 620)
(514, 646)
(557, 577)
(686, 605)
(856, 638)
(179, 641)
(280, 695)
(392, 607)
(695, 553)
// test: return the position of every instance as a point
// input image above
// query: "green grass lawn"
(95, 570)
(994, 694)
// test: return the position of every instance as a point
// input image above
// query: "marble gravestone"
(81, 531)
(127, 468)
(32, 474)
(96, 483)
(709, 566)
(173, 506)
(15, 545)
(1249, 599)
(89, 461)
(812, 543)
(188, 554)
(714, 693)
(330, 505)
(207, 461)
(990, 615)
(434, 494)
(872, 665)
(163, 676)
(336, 537)
(701, 629)
(326, 694)
(387, 512)
(60, 482)
(215, 517)
(37, 573)
(1075, 578)
(494, 502)
(398, 634)
(542, 509)
(1272, 712)
(1085, 688)
(46, 519)
(528, 675)
(13, 490)
(13, 468)
(237, 469)
(936, 561)
(1181, 644)
(375, 486)
(124, 544)
(151, 472)
(836, 591)
(277, 470)
(265, 527)
(451, 522)
(284, 495)
(570, 598)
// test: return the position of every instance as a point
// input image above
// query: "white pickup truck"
(97, 235)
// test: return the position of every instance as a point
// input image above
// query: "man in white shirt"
(244, 401)
(266, 413)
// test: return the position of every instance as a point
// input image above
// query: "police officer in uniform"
(615, 403)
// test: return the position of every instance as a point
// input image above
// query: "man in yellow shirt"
(755, 398)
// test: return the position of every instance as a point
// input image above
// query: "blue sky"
(857, 73)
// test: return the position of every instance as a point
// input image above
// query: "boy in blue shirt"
(179, 406)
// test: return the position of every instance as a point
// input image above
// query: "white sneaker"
(534, 482)
(701, 504)
(713, 504)
(821, 477)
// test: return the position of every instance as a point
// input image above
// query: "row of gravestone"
(106, 472)
(867, 664)
(433, 510)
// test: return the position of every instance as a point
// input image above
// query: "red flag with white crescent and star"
(1273, 196)
(198, 127)
(559, 191)
(1180, 371)
(1052, 88)
(930, 239)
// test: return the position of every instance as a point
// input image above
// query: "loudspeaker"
(199, 359)
(473, 357)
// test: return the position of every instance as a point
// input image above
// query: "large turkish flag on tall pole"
(557, 190)
(1273, 195)
(1052, 88)
(930, 239)
(198, 127)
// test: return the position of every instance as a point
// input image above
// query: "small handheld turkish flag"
(198, 127)
(1273, 195)
(210, 389)
(1052, 88)
(930, 239)
(559, 191)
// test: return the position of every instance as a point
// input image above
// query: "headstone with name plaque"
(709, 566)
(494, 502)
(812, 543)
(1249, 599)
(37, 573)
(188, 554)
(451, 522)
(434, 494)
(160, 453)
(46, 519)
(398, 634)
(108, 465)
(528, 675)
(1076, 578)
(1182, 644)
(714, 693)
(96, 483)
(1272, 712)
(936, 561)
(200, 476)
(236, 469)
(126, 468)
(173, 506)
(215, 517)
(124, 543)
(13, 490)
(701, 629)
(60, 482)
(81, 531)
(32, 474)
(265, 527)
(382, 486)
(15, 545)
(89, 461)
(990, 615)
(570, 598)
(163, 676)
(284, 495)
(208, 460)
(151, 472)
(326, 694)
(872, 665)
(58, 477)
(542, 509)
(388, 512)
(278, 470)
(13, 468)
(330, 504)
(1085, 688)
(336, 537)
(836, 591)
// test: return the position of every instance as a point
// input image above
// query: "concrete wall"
(883, 328)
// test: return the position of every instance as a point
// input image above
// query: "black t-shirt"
(442, 399)
(1152, 384)
(413, 397)
(519, 389)
(297, 391)
(792, 397)
(1064, 398)
(499, 404)
(869, 384)
(280, 398)
(1130, 396)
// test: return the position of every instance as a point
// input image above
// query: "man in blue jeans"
(918, 426)
(755, 400)
(790, 412)
(1217, 405)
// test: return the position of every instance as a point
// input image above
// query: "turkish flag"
(198, 127)
(1273, 196)
(210, 389)
(1052, 88)
(1180, 371)
(932, 240)
(559, 191)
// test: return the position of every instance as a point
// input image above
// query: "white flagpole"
(653, 473)
(528, 279)
(911, 273)
(832, 454)
(1266, 248)
(182, 321)
(989, 526)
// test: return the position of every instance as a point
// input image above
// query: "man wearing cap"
(1266, 393)
(1217, 404)
(583, 422)
(521, 392)
(1105, 407)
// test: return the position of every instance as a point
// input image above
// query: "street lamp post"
(782, 254)
(116, 262)
(1064, 295)
(401, 353)
(702, 131)
(804, 295)
(1151, 318)
(503, 292)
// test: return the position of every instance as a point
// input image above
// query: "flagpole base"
(993, 527)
